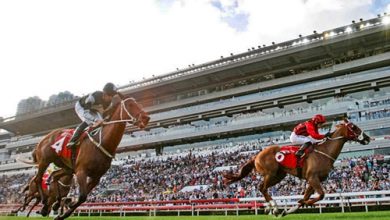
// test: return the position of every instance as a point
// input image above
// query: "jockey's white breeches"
(86, 115)
(300, 139)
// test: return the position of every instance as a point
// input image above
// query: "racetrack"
(381, 215)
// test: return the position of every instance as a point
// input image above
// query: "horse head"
(352, 132)
(130, 111)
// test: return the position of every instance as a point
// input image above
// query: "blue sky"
(80, 45)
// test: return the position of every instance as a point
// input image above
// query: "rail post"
(255, 207)
(342, 203)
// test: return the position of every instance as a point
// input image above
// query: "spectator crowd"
(165, 177)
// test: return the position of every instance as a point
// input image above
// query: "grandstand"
(240, 104)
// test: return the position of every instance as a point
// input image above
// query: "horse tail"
(25, 189)
(229, 178)
(34, 156)
(30, 162)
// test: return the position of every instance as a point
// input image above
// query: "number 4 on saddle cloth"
(62, 140)
(286, 156)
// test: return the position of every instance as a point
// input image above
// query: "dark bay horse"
(96, 151)
(31, 192)
(316, 168)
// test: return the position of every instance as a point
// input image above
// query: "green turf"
(381, 215)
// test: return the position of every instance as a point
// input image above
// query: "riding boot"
(301, 150)
(73, 141)
(76, 135)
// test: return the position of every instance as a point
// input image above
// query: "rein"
(359, 137)
(326, 155)
(99, 144)
(131, 120)
(62, 184)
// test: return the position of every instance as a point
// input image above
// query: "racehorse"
(316, 168)
(31, 192)
(95, 152)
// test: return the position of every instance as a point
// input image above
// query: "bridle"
(353, 137)
(131, 119)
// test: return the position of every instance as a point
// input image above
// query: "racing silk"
(308, 128)
(94, 102)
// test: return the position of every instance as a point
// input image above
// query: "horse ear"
(346, 120)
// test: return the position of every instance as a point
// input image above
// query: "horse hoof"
(293, 209)
(267, 210)
(58, 218)
(282, 214)
(44, 212)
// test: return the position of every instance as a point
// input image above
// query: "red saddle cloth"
(286, 156)
(61, 141)
(44, 179)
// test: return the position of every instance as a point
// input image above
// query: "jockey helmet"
(318, 118)
(110, 89)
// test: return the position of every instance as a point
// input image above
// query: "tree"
(29, 105)
(60, 98)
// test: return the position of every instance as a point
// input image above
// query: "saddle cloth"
(286, 156)
(61, 141)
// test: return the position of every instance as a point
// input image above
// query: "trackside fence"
(344, 201)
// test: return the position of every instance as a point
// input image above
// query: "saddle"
(64, 152)
(286, 157)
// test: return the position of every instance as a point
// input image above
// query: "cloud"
(230, 14)
(52, 46)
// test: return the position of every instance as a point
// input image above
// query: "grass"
(379, 215)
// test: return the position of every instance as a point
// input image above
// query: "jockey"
(306, 133)
(90, 109)
(49, 170)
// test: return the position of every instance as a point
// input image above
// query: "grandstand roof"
(263, 62)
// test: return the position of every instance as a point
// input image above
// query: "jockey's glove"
(328, 134)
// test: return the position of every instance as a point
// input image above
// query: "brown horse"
(96, 151)
(31, 193)
(317, 166)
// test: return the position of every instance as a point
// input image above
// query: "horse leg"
(65, 203)
(83, 189)
(269, 181)
(316, 184)
(32, 207)
(57, 203)
(27, 200)
(38, 181)
(56, 177)
(308, 192)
